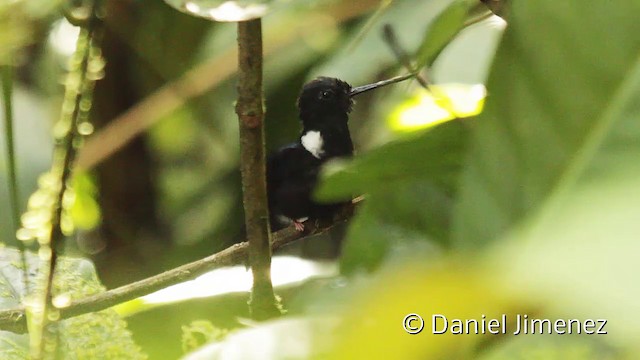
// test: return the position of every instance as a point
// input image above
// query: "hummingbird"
(324, 105)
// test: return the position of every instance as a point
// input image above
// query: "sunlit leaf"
(85, 211)
(225, 10)
(454, 288)
(445, 102)
(373, 325)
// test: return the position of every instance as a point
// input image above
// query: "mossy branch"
(85, 68)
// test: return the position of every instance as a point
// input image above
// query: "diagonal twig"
(14, 319)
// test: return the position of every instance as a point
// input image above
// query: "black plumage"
(292, 171)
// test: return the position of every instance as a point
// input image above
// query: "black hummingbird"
(324, 105)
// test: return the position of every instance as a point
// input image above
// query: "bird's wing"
(291, 175)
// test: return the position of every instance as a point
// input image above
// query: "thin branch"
(12, 170)
(371, 21)
(263, 303)
(389, 36)
(14, 319)
(478, 19)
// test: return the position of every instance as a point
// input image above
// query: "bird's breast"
(313, 142)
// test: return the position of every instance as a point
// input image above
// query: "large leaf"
(442, 31)
(100, 335)
(554, 166)
(550, 101)
(409, 185)
(458, 289)
(433, 153)
(411, 214)
(583, 243)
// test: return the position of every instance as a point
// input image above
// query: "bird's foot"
(298, 225)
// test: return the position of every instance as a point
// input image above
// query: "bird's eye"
(326, 94)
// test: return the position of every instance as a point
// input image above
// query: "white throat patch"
(312, 141)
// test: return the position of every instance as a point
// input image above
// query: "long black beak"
(364, 88)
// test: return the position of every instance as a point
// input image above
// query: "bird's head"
(329, 98)
(324, 97)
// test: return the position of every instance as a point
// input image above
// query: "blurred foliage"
(353, 59)
(84, 208)
(18, 24)
(198, 333)
(100, 335)
(397, 184)
(443, 29)
(529, 207)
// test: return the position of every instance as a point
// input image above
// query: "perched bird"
(324, 105)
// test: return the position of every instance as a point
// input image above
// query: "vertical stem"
(250, 112)
(12, 170)
(77, 103)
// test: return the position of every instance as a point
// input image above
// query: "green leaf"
(442, 103)
(409, 185)
(412, 214)
(442, 30)
(583, 242)
(100, 335)
(85, 210)
(434, 154)
(550, 108)
(18, 21)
